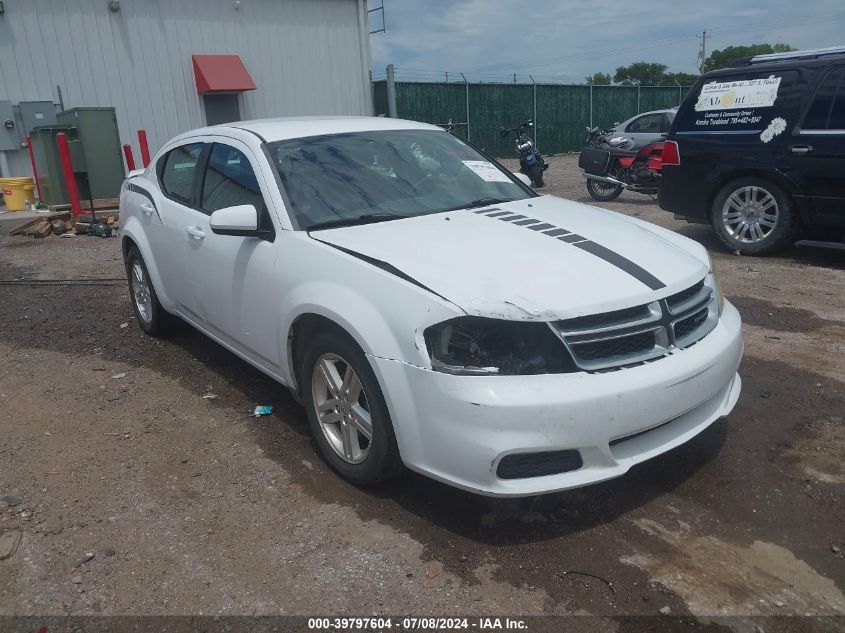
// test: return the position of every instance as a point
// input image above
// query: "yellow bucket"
(16, 191)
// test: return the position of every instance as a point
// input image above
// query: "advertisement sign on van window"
(736, 106)
(730, 95)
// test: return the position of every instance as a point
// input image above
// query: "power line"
(531, 63)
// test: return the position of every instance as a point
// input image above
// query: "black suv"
(758, 151)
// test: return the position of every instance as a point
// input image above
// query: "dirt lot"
(190, 506)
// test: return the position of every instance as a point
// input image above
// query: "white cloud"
(548, 38)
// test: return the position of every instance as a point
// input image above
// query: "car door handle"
(195, 232)
(800, 150)
(147, 208)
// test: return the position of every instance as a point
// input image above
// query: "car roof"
(775, 65)
(279, 129)
(636, 116)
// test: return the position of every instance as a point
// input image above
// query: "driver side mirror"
(241, 220)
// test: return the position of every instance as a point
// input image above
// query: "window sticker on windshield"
(486, 170)
(730, 95)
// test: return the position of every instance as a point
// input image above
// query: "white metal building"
(151, 59)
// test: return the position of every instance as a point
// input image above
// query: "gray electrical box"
(9, 137)
(35, 114)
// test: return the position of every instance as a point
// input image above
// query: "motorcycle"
(613, 164)
(596, 136)
(530, 162)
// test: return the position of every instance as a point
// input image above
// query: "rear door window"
(761, 102)
(177, 170)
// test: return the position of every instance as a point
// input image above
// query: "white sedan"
(427, 307)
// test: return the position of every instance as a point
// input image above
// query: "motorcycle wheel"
(535, 173)
(603, 191)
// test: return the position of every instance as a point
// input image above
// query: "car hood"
(577, 259)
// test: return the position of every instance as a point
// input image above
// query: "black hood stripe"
(572, 238)
(622, 263)
(556, 232)
(602, 252)
(388, 268)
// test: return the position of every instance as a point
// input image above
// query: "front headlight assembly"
(480, 346)
(713, 278)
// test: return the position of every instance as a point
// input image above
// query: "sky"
(489, 40)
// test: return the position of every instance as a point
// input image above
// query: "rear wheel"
(753, 216)
(347, 412)
(150, 314)
(603, 191)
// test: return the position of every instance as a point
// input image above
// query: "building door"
(221, 108)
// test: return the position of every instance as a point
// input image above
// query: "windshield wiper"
(366, 218)
(479, 202)
(483, 202)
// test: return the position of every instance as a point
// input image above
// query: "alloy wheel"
(342, 409)
(750, 214)
(603, 188)
(141, 292)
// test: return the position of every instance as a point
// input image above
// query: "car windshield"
(371, 176)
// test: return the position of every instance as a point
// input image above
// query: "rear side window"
(649, 124)
(827, 111)
(177, 169)
(759, 102)
(229, 180)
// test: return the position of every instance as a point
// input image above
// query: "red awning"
(221, 73)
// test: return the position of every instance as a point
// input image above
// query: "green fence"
(561, 112)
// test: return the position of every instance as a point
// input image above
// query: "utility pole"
(391, 91)
(702, 55)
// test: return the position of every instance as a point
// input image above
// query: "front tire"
(535, 173)
(603, 191)
(347, 412)
(753, 216)
(149, 313)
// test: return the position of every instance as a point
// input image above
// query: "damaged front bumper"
(458, 429)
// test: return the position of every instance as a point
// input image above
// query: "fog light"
(524, 465)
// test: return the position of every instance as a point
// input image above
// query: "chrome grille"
(622, 338)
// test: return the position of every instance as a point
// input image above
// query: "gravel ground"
(191, 506)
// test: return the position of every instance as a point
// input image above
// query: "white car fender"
(355, 299)
(361, 319)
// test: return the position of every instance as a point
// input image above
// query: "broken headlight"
(479, 346)
(713, 281)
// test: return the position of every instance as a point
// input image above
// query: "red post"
(130, 160)
(67, 168)
(34, 168)
(145, 149)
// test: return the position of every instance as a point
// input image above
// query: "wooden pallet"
(44, 226)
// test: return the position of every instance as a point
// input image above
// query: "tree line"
(656, 74)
